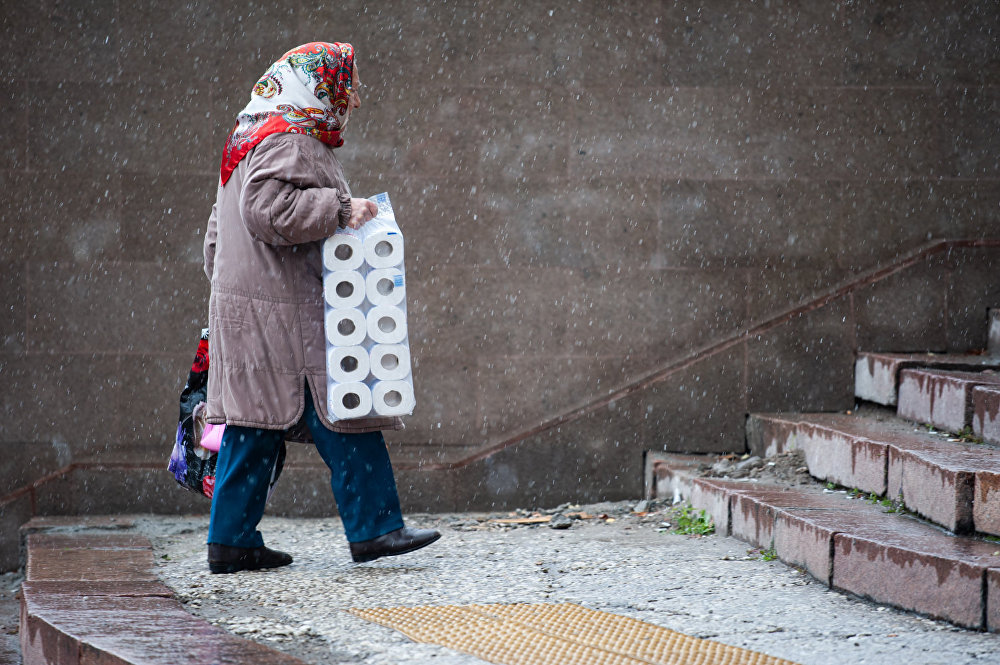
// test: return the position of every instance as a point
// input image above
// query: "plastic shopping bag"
(197, 444)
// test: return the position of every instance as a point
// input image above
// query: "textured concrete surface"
(941, 398)
(993, 335)
(937, 484)
(993, 594)
(973, 290)
(805, 544)
(754, 514)
(986, 502)
(106, 558)
(860, 548)
(712, 587)
(10, 611)
(804, 364)
(89, 596)
(932, 472)
(94, 628)
(986, 413)
(917, 568)
(876, 373)
(843, 457)
(886, 322)
(771, 434)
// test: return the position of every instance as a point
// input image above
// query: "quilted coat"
(263, 254)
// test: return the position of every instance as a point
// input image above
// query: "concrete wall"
(589, 194)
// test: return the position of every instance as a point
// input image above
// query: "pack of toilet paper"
(367, 344)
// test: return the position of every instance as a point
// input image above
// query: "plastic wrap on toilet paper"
(389, 362)
(383, 243)
(344, 288)
(385, 286)
(392, 398)
(386, 324)
(344, 251)
(345, 327)
(368, 351)
(350, 400)
(348, 364)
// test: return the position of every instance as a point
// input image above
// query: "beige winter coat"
(263, 253)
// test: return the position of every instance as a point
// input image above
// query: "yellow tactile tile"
(523, 634)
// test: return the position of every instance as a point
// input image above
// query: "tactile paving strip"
(522, 634)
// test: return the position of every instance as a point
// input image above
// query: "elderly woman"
(283, 191)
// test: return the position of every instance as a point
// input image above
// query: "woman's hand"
(362, 210)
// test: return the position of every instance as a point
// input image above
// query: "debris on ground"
(535, 519)
(663, 515)
(784, 468)
(560, 521)
(658, 514)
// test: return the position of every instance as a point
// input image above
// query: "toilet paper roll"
(344, 288)
(343, 250)
(385, 286)
(349, 400)
(383, 248)
(345, 327)
(347, 364)
(390, 362)
(393, 398)
(386, 324)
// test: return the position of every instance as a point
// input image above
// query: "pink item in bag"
(211, 437)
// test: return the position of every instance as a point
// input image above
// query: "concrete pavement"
(710, 587)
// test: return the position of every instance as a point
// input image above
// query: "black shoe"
(395, 542)
(226, 559)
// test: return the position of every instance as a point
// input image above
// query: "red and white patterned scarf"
(307, 91)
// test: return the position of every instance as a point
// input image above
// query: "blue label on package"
(382, 201)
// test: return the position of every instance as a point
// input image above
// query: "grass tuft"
(693, 523)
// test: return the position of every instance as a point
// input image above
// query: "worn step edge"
(986, 413)
(854, 547)
(876, 375)
(942, 398)
(670, 475)
(128, 618)
(953, 484)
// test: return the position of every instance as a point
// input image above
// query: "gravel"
(788, 468)
(607, 558)
(10, 647)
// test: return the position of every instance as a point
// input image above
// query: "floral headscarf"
(307, 91)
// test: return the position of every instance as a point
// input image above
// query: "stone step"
(854, 546)
(986, 413)
(669, 475)
(942, 398)
(92, 597)
(876, 375)
(951, 483)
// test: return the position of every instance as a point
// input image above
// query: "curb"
(92, 597)
(855, 547)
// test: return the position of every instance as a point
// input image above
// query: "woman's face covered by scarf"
(309, 90)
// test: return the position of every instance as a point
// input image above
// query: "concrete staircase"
(910, 511)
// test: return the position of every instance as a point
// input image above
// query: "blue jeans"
(360, 476)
